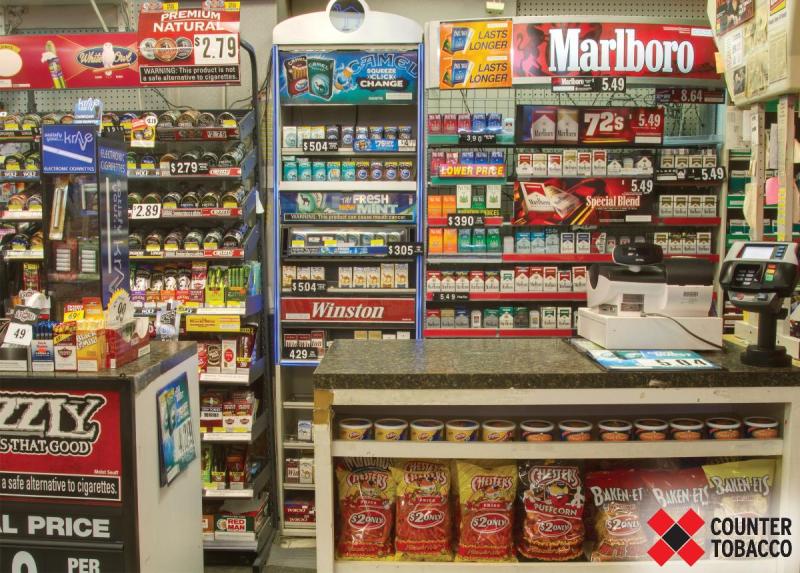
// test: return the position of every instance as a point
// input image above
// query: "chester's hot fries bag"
(366, 511)
(485, 503)
(424, 526)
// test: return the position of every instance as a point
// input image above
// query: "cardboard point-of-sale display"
(759, 46)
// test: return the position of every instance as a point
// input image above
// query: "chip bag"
(366, 496)
(618, 497)
(551, 502)
(741, 489)
(677, 492)
(485, 510)
(424, 525)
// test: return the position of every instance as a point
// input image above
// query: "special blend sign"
(475, 54)
(188, 46)
(543, 50)
(60, 445)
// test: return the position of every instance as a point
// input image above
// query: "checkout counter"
(80, 484)
(542, 379)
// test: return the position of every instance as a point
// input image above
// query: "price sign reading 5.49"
(216, 49)
(622, 125)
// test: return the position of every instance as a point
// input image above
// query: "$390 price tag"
(216, 49)
(146, 211)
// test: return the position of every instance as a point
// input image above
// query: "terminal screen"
(762, 252)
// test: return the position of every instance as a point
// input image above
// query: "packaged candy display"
(551, 505)
(485, 498)
(366, 504)
(424, 522)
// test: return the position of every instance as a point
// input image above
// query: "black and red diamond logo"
(676, 537)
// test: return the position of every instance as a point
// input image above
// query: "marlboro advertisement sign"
(475, 54)
(591, 201)
(187, 46)
(60, 445)
(543, 50)
(62, 61)
(374, 310)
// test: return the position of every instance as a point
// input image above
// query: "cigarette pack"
(584, 164)
(689, 243)
(695, 206)
(536, 279)
(550, 279)
(492, 283)
(579, 279)
(583, 242)
(539, 165)
(570, 165)
(448, 205)
(709, 160)
(506, 280)
(537, 242)
(525, 164)
(681, 208)
(704, 243)
(401, 275)
(434, 206)
(450, 241)
(555, 164)
(345, 277)
(548, 316)
(433, 318)
(494, 197)
(477, 281)
(565, 281)
(448, 318)
(675, 243)
(662, 240)
(463, 196)
(521, 279)
(387, 275)
(228, 356)
(448, 282)
(666, 206)
(522, 242)
(435, 241)
(360, 277)
(564, 319)
(288, 276)
(433, 281)
(373, 277)
(462, 281)
(709, 204)
(552, 241)
(599, 161)
(568, 243)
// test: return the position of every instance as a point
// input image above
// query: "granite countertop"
(163, 356)
(537, 363)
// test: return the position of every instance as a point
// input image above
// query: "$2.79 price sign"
(216, 49)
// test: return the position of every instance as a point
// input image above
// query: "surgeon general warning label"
(62, 445)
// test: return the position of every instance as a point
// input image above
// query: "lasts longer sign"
(543, 50)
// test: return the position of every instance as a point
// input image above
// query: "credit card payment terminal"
(758, 277)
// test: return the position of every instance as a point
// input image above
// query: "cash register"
(758, 277)
(645, 302)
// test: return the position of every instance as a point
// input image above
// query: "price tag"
(19, 334)
(690, 95)
(642, 186)
(622, 125)
(612, 85)
(462, 221)
(450, 297)
(146, 211)
(405, 249)
(477, 138)
(301, 353)
(309, 286)
(319, 145)
(181, 167)
(120, 309)
(676, 363)
(216, 49)
(710, 174)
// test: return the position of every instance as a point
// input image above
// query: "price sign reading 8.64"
(216, 49)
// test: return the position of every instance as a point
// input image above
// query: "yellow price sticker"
(232, 6)
(169, 6)
(329, 242)
(298, 243)
(73, 315)
(376, 242)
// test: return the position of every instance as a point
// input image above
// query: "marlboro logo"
(348, 309)
(624, 53)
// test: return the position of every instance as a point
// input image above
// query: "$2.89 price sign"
(146, 211)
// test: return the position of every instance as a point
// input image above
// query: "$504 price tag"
(216, 49)
(319, 145)
(309, 286)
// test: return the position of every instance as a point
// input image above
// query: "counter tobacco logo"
(49, 423)
(676, 537)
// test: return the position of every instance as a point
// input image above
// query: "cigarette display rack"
(348, 172)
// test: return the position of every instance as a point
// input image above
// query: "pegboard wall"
(685, 120)
(673, 9)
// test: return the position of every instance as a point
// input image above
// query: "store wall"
(420, 10)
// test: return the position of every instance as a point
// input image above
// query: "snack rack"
(329, 226)
(457, 296)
